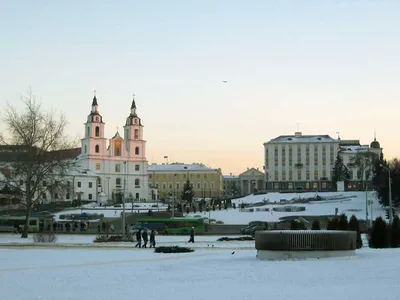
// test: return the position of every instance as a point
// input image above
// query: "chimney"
(297, 133)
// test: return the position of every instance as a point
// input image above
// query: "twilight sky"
(329, 65)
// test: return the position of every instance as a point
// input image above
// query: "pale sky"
(331, 66)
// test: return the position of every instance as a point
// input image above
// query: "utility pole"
(123, 202)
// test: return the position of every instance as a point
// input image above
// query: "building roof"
(375, 144)
(178, 167)
(231, 177)
(299, 138)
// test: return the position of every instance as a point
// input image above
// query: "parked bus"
(16, 224)
(174, 226)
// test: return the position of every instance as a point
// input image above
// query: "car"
(252, 228)
(135, 228)
(256, 228)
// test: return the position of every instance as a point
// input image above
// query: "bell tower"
(133, 135)
(94, 142)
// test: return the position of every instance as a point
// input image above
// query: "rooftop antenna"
(374, 134)
(298, 126)
(338, 135)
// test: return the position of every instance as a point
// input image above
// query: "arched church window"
(137, 181)
(135, 121)
(137, 150)
(97, 149)
(97, 130)
(136, 134)
(88, 131)
(137, 195)
(117, 148)
(85, 149)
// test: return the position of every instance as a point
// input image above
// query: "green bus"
(174, 226)
(17, 223)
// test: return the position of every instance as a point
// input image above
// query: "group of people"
(144, 236)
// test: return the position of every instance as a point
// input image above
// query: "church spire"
(94, 102)
(133, 106)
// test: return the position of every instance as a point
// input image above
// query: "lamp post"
(390, 195)
(173, 197)
(108, 187)
(123, 202)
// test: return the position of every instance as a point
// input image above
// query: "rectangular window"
(198, 185)
(290, 185)
(276, 176)
(90, 185)
(212, 185)
(178, 185)
(68, 183)
(298, 175)
(308, 175)
(117, 168)
(56, 196)
(79, 184)
(324, 185)
(156, 184)
(44, 195)
(170, 185)
(67, 196)
(97, 167)
(90, 196)
(315, 175)
(315, 185)
(118, 181)
(137, 167)
(164, 185)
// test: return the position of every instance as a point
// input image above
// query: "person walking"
(152, 239)
(191, 239)
(139, 239)
(145, 238)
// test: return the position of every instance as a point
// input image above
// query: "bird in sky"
(224, 81)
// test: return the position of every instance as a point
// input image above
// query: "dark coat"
(144, 236)
(138, 236)
(192, 232)
(152, 236)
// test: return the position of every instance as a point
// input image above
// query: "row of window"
(117, 167)
(97, 132)
(314, 185)
(179, 185)
(67, 196)
(177, 176)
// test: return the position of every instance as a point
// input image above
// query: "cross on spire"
(94, 103)
(94, 92)
(133, 106)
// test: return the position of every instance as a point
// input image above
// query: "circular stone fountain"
(302, 244)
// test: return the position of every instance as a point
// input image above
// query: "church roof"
(178, 167)
(94, 102)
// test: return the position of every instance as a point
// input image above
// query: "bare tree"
(365, 160)
(38, 165)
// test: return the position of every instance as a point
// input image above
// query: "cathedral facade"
(120, 162)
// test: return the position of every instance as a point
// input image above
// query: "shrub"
(114, 238)
(343, 223)
(100, 239)
(395, 233)
(172, 249)
(44, 237)
(240, 238)
(354, 225)
(379, 234)
(333, 224)
(316, 225)
(297, 225)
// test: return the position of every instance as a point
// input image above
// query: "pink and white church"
(119, 164)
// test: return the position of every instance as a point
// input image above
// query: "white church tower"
(94, 143)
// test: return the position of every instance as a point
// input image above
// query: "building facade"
(360, 175)
(120, 165)
(306, 162)
(231, 186)
(300, 162)
(169, 179)
(251, 181)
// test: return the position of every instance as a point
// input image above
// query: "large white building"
(306, 162)
(120, 164)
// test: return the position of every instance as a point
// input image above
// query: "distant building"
(231, 186)
(251, 181)
(306, 162)
(169, 179)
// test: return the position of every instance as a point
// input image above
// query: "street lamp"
(108, 187)
(390, 195)
(123, 202)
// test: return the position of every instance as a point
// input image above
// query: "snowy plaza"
(122, 272)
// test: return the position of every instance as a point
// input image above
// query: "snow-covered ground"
(69, 274)
(350, 203)
(206, 241)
